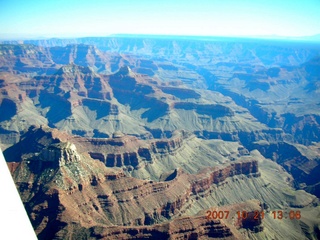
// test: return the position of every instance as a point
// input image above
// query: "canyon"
(136, 137)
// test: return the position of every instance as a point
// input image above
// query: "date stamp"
(217, 214)
(255, 215)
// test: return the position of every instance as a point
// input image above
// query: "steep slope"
(139, 158)
(283, 97)
(159, 131)
(65, 191)
(80, 101)
(25, 59)
(82, 55)
(302, 162)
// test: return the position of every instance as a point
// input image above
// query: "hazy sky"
(67, 18)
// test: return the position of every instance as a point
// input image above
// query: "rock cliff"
(64, 189)
(61, 176)
(139, 137)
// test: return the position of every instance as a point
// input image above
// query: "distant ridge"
(313, 38)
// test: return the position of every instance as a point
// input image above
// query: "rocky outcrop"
(184, 228)
(182, 93)
(246, 138)
(301, 167)
(60, 153)
(101, 108)
(77, 190)
(98, 156)
(303, 126)
(82, 81)
(188, 185)
(50, 149)
(67, 193)
(207, 109)
(218, 175)
(144, 153)
(131, 151)
(167, 146)
(46, 215)
(29, 57)
(85, 97)
(305, 129)
(195, 227)
(24, 59)
(119, 160)
(82, 55)
(239, 94)
(131, 90)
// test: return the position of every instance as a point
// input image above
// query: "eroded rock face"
(72, 96)
(211, 110)
(196, 227)
(305, 129)
(65, 190)
(106, 193)
(296, 162)
(248, 168)
(60, 154)
(185, 228)
(131, 151)
(63, 178)
(180, 92)
(34, 141)
(222, 90)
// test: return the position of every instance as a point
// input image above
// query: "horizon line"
(35, 37)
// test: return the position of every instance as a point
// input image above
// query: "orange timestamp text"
(256, 215)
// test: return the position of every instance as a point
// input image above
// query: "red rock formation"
(165, 146)
(128, 150)
(61, 187)
(183, 228)
(219, 174)
(196, 227)
(121, 193)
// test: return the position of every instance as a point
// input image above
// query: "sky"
(78, 18)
